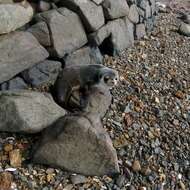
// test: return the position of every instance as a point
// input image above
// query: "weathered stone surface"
(41, 32)
(115, 9)
(149, 24)
(91, 15)
(19, 51)
(16, 83)
(27, 111)
(85, 55)
(78, 144)
(44, 5)
(148, 11)
(133, 14)
(140, 31)
(13, 16)
(130, 31)
(184, 29)
(42, 73)
(98, 102)
(98, 2)
(6, 179)
(67, 32)
(117, 32)
(153, 6)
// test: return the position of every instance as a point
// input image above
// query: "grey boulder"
(98, 102)
(43, 73)
(140, 31)
(78, 144)
(27, 111)
(117, 33)
(41, 32)
(133, 14)
(115, 9)
(85, 55)
(13, 16)
(19, 51)
(16, 83)
(90, 13)
(66, 31)
(184, 29)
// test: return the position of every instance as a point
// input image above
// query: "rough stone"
(184, 29)
(27, 111)
(78, 144)
(85, 55)
(66, 30)
(44, 6)
(78, 179)
(13, 16)
(115, 9)
(16, 83)
(133, 14)
(98, 2)
(98, 103)
(41, 32)
(140, 31)
(153, 6)
(148, 11)
(91, 14)
(130, 31)
(42, 73)
(117, 33)
(19, 51)
(6, 179)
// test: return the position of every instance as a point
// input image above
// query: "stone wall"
(38, 39)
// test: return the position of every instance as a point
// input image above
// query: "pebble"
(8, 147)
(6, 179)
(136, 166)
(78, 179)
(120, 180)
(15, 158)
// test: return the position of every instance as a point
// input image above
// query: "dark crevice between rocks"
(107, 47)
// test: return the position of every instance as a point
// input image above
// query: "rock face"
(19, 51)
(85, 55)
(90, 13)
(27, 111)
(184, 29)
(16, 83)
(66, 30)
(78, 144)
(140, 31)
(99, 101)
(117, 32)
(41, 32)
(115, 9)
(42, 73)
(13, 16)
(133, 14)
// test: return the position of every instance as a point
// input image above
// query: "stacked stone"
(66, 32)
(50, 35)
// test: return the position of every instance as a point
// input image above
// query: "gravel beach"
(149, 123)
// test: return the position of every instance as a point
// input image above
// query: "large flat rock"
(43, 73)
(84, 55)
(13, 16)
(66, 31)
(117, 31)
(27, 111)
(115, 9)
(19, 51)
(91, 14)
(78, 144)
